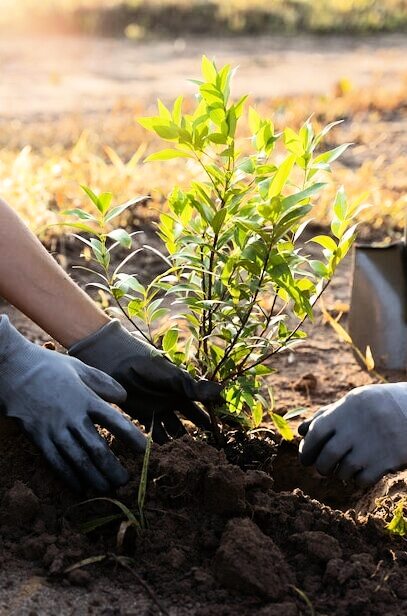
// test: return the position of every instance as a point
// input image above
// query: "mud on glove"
(362, 436)
(155, 387)
(57, 399)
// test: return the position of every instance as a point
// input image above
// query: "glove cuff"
(109, 346)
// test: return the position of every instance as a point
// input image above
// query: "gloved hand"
(56, 400)
(363, 436)
(155, 387)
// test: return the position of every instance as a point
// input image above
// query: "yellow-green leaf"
(279, 180)
(282, 426)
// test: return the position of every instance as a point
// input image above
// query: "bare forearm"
(32, 281)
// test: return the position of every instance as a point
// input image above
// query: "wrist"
(108, 347)
(83, 328)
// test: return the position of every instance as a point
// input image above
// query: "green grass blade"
(142, 490)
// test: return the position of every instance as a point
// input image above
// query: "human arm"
(31, 280)
(362, 436)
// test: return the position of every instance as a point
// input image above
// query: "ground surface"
(199, 546)
(54, 75)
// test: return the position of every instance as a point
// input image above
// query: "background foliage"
(180, 17)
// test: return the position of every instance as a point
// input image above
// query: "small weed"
(398, 523)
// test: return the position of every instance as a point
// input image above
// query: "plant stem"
(264, 358)
(217, 434)
(236, 337)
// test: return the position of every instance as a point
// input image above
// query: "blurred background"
(76, 73)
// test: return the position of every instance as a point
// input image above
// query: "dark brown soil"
(219, 540)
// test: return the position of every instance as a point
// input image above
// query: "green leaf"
(163, 112)
(208, 70)
(92, 196)
(129, 281)
(135, 308)
(218, 138)
(319, 268)
(79, 213)
(255, 121)
(331, 155)
(177, 110)
(398, 524)
(282, 426)
(293, 142)
(170, 339)
(279, 180)
(325, 241)
(167, 154)
(166, 132)
(78, 225)
(292, 200)
(298, 412)
(86, 561)
(121, 236)
(219, 219)
(105, 201)
(142, 490)
(257, 414)
(119, 209)
(91, 525)
(341, 204)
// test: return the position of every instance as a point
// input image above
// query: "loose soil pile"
(220, 540)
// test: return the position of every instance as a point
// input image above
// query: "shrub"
(237, 271)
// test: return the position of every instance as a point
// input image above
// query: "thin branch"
(140, 331)
(264, 358)
(236, 337)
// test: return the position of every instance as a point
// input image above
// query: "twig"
(281, 347)
(218, 436)
(140, 331)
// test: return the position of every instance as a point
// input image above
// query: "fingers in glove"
(59, 465)
(101, 454)
(370, 475)
(176, 380)
(118, 425)
(319, 433)
(331, 455)
(304, 426)
(79, 460)
(173, 426)
(196, 415)
(102, 384)
(209, 392)
(349, 468)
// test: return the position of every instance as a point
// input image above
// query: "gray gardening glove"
(56, 400)
(363, 436)
(155, 387)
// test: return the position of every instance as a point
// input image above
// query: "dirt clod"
(307, 383)
(318, 545)
(19, 505)
(224, 490)
(250, 562)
